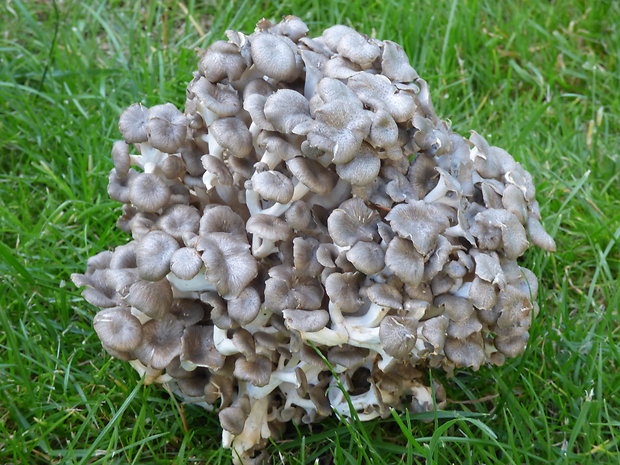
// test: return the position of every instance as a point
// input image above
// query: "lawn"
(538, 78)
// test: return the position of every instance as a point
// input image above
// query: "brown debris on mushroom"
(308, 194)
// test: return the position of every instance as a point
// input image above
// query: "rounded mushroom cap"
(268, 227)
(362, 170)
(353, 221)
(161, 342)
(118, 329)
(222, 60)
(221, 218)
(153, 254)
(367, 257)
(120, 157)
(306, 320)
(232, 134)
(232, 419)
(151, 298)
(166, 128)
(185, 263)
(132, 123)
(398, 335)
(245, 307)
(178, 220)
(148, 192)
(312, 174)
(273, 185)
(274, 56)
(229, 264)
(419, 222)
(286, 109)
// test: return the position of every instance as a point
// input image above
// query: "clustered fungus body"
(308, 205)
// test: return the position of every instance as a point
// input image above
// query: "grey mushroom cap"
(291, 27)
(286, 109)
(216, 167)
(465, 328)
(402, 258)
(118, 329)
(362, 170)
(232, 134)
(511, 346)
(497, 227)
(178, 220)
(395, 64)
(221, 218)
(166, 128)
(539, 236)
(132, 123)
(228, 262)
(153, 254)
(222, 60)
(312, 174)
(232, 419)
(120, 157)
(420, 222)
(185, 263)
(187, 311)
(343, 290)
(305, 320)
(221, 99)
(257, 371)
(245, 307)
(465, 352)
(118, 185)
(268, 227)
(482, 294)
(298, 215)
(198, 348)
(273, 185)
(151, 298)
(352, 221)
(274, 56)
(148, 192)
(161, 342)
(367, 257)
(385, 295)
(398, 335)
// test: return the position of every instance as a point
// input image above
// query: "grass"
(539, 78)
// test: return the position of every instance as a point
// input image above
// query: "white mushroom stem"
(300, 191)
(292, 398)
(365, 405)
(222, 343)
(207, 115)
(338, 194)
(262, 247)
(208, 179)
(270, 159)
(149, 159)
(253, 202)
(370, 319)
(459, 230)
(142, 317)
(446, 184)
(254, 131)
(197, 283)
(150, 374)
(255, 428)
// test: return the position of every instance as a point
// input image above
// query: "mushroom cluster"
(309, 236)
